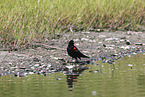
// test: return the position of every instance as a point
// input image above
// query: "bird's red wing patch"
(74, 48)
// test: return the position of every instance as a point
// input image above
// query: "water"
(126, 79)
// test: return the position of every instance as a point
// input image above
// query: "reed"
(22, 21)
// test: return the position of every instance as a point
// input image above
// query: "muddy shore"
(51, 55)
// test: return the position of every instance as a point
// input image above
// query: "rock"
(22, 67)
(129, 65)
(36, 65)
(125, 47)
(128, 42)
(69, 66)
(139, 44)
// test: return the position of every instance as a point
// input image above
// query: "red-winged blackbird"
(74, 52)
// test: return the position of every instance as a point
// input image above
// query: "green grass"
(22, 21)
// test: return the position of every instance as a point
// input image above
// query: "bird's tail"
(84, 56)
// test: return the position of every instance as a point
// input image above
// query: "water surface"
(125, 79)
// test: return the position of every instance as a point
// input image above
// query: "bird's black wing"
(78, 53)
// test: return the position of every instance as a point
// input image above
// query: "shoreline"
(52, 55)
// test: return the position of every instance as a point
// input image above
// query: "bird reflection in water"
(72, 75)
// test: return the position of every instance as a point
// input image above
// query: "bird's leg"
(76, 60)
(80, 59)
(72, 60)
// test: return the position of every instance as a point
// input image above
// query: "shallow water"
(125, 79)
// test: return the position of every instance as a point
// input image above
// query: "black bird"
(74, 52)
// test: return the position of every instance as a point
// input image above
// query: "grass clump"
(24, 21)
